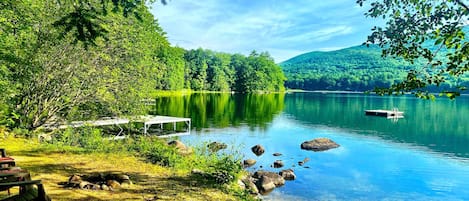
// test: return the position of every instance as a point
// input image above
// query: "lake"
(423, 156)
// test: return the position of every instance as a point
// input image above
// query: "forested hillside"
(358, 68)
(86, 59)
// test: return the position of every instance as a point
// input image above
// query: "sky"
(283, 28)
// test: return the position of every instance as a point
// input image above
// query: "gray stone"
(258, 149)
(104, 187)
(276, 178)
(278, 164)
(287, 174)
(265, 185)
(319, 144)
(249, 162)
(277, 154)
(251, 186)
(181, 147)
(113, 184)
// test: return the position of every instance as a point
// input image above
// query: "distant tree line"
(357, 68)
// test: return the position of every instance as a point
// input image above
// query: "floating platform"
(385, 113)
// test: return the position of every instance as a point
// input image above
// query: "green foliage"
(88, 138)
(212, 71)
(417, 29)
(357, 68)
(76, 61)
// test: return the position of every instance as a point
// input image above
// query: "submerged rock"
(319, 144)
(258, 149)
(277, 154)
(301, 163)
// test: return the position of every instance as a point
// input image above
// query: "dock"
(385, 113)
(147, 122)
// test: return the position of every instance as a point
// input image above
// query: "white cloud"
(239, 26)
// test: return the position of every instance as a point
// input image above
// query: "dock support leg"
(174, 126)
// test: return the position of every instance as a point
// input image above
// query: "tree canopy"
(75, 60)
(421, 29)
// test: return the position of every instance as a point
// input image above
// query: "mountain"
(356, 68)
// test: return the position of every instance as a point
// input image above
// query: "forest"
(88, 59)
(358, 68)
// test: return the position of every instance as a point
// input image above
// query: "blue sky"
(283, 28)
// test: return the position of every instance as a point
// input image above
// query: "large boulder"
(265, 184)
(319, 144)
(276, 178)
(249, 162)
(287, 174)
(258, 149)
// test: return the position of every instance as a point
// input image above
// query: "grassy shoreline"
(54, 165)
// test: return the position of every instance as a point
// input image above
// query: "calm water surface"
(424, 156)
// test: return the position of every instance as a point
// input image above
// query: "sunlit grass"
(53, 166)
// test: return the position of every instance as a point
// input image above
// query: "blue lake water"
(424, 156)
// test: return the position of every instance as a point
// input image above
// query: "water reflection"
(440, 125)
(223, 110)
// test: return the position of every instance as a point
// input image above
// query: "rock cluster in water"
(264, 182)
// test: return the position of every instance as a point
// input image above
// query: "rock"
(277, 154)
(113, 184)
(87, 185)
(216, 146)
(241, 184)
(258, 149)
(249, 162)
(276, 178)
(177, 144)
(251, 186)
(104, 187)
(265, 184)
(181, 147)
(83, 184)
(287, 174)
(126, 183)
(278, 164)
(319, 144)
(121, 177)
(197, 171)
(301, 163)
(74, 179)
